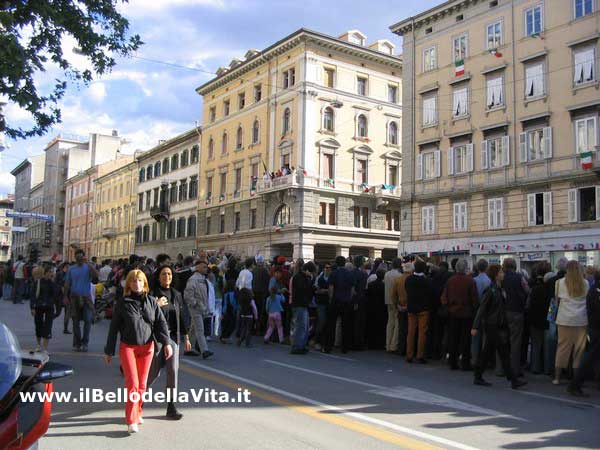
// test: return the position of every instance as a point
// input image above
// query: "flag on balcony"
(538, 36)
(495, 52)
(331, 181)
(279, 227)
(252, 192)
(459, 68)
(365, 187)
(587, 160)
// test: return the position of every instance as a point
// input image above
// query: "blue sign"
(28, 215)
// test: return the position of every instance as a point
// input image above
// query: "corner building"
(500, 130)
(328, 109)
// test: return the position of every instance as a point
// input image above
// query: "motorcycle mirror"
(52, 371)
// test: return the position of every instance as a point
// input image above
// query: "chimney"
(115, 133)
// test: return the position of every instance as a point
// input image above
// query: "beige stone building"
(114, 209)
(6, 224)
(37, 230)
(323, 115)
(501, 103)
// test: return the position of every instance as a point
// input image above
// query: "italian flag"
(586, 160)
(538, 36)
(459, 68)
(495, 52)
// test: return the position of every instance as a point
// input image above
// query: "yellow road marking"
(318, 414)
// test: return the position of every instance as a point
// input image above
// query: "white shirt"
(244, 280)
(572, 312)
(104, 272)
(18, 266)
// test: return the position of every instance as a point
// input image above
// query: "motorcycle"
(23, 423)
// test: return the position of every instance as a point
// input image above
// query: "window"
(331, 219)
(223, 184)
(460, 106)
(212, 113)
(241, 100)
(535, 144)
(238, 182)
(495, 213)
(392, 93)
(327, 213)
(183, 191)
(191, 226)
(583, 8)
(392, 220)
(226, 107)
(327, 168)
(459, 48)
(428, 219)
(157, 167)
(495, 91)
(171, 229)
(209, 187)
(146, 233)
(460, 217)
(585, 65)
(138, 237)
(495, 153)
(173, 193)
(224, 144)
(584, 204)
(328, 119)
(154, 231)
(155, 203)
(363, 130)
(534, 80)
(222, 224)
(181, 227)
(254, 170)
(148, 199)
(460, 159)
(140, 202)
(429, 59)
(211, 148)
(365, 217)
(283, 216)
(285, 128)
(329, 77)
(361, 86)
(533, 20)
(428, 165)
(393, 133)
(239, 138)
(539, 208)
(195, 154)
(429, 110)
(185, 158)
(257, 93)
(494, 35)
(194, 187)
(255, 132)
(149, 172)
(585, 135)
(207, 226)
(174, 162)
(362, 175)
(392, 175)
(289, 78)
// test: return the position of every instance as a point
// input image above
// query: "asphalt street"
(353, 401)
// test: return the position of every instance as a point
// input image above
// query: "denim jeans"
(550, 344)
(321, 322)
(300, 336)
(87, 315)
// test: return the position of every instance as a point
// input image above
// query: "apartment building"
(114, 209)
(38, 232)
(6, 224)
(167, 197)
(500, 130)
(302, 153)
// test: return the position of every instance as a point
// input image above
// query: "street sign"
(19, 229)
(28, 215)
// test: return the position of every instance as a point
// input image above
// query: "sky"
(148, 101)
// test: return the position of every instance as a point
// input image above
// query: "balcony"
(285, 182)
(75, 243)
(109, 232)
(160, 213)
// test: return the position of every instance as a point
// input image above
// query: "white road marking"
(329, 355)
(324, 406)
(559, 399)
(406, 393)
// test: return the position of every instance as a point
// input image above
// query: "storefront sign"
(535, 256)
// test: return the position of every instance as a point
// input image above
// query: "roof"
(290, 41)
(406, 25)
(22, 165)
(169, 143)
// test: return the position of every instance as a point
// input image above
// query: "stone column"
(305, 251)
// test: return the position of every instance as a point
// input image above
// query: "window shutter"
(531, 209)
(547, 208)
(484, 155)
(419, 167)
(547, 139)
(597, 202)
(424, 220)
(456, 218)
(470, 158)
(505, 150)
(451, 161)
(491, 213)
(465, 224)
(523, 147)
(438, 163)
(572, 201)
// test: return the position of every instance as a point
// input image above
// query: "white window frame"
(460, 102)
(535, 80)
(466, 153)
(495, 213)
(457, 48)
(428, 219)
(575, 16)
(333, 77)
(494, 87)
(389, 140)
(532, 10)
(360, 78)
(498, 40)
(429, 165)
(504, 156)
(357, 174)
(358, 135)
(430, 58)
(429, 118)
(584, 66)
(579, 148)
(532, 208)
(323, 126)
(525, 144)
(460, 217)
(573, 202)
(393, 87)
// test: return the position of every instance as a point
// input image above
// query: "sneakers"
(556, 381)
(140, 420)
(207, 354)
(133, 428)
(481, 382)
(172, 412)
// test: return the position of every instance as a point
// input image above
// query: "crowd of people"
(491, 317)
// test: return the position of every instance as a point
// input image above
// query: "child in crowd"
(248, 315)
(274, 308)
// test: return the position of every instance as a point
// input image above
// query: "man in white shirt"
(105, 271)
(18, 269)
(245, 277)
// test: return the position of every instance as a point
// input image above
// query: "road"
(315, 401)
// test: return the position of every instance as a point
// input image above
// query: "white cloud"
(151, 7)
(97, 91)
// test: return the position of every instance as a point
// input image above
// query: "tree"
(31, 38)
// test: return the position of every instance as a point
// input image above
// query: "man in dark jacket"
(437, 323)
(419, 294)
(260, 289)
(360, 304)
(302, 286)
(460, 296)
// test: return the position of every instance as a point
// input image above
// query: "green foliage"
(31, 35)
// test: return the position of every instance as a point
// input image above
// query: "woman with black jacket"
(139, 320)
(491, 317)
(177, 316)
(45, 305)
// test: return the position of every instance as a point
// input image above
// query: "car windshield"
(10, 360)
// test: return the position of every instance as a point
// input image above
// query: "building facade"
(302, 153)
(6, 224)
(27, 174)
(114, 209)
(167, 197)
(36, 229)
(500, 130)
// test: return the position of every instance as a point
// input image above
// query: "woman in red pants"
(139, 321)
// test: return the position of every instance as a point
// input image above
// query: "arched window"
(181, 227)
(286, 121)
(149, 172)
(211, 148)
(224, 144)
(255, 131)
(165, 165)
(185, 158)
(195, 154)
(328, 118)
(171, 229)
(146, 233)
(191, 226)
(175, 162)
(142, 175)
(283, 216)
(239, 138)
(362, 126)
(393, 133)
(157, 169)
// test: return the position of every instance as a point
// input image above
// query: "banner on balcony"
(587, 161)
(459, 68)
